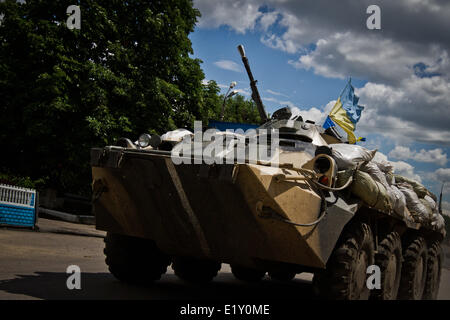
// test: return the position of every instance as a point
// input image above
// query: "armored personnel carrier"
(289, 212)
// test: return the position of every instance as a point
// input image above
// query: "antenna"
(440, 198)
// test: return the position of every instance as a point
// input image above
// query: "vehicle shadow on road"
(52, 285)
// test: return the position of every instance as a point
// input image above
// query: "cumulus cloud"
(228, 65)
(442, 174)
(400, 167)
(268, 20)
(406, 64)
(313, 113)
(277, 93)
(446, 208)
(436, 156)
(238, 15)
(406, 170)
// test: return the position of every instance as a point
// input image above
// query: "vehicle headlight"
(144, 140)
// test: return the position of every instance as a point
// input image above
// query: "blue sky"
(302, 53)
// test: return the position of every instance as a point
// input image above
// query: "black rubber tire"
(195, 270)
(389, 259)
(414, 269)
(284, 276)
(434, 265)
(345, 274)
(134, 260)
(247, 274)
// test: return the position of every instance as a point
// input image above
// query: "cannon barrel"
(255, 92)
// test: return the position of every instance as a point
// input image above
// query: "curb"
(89, 220)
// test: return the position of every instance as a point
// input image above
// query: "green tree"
(238, 109)
(126, 71)
(212, 101)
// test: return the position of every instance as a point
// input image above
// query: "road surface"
(33, 266)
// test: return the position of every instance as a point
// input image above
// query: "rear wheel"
(433, 277)
(345, 275)
(389, 259)
(414, 269)
(195, 270)
(247, 274)
(134, 260)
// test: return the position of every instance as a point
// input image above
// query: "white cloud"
(400, 167)
(245, 91)
(275, 42)
(436, 156)
(407, 65)
(442, 174)
(268, 19)
(446, 208)
(415, 110)
(406, 170)
(238, 15)
(228, 65)
(313, 113)
(277, 93)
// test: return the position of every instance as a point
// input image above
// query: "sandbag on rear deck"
(418, 210)
(418, 188)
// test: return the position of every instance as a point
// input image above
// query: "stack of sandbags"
(375, 183)
(372, 192)
(382, 172)
(417, 187)
(423, 205)
(417, 208)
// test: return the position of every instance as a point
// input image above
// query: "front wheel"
(345, 275)
(134, 260)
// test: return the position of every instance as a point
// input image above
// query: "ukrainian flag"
(346, 113)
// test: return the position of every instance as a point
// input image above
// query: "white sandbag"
(176, 135)
(438, 222)
(390, 178)
(417, 187)
(374, 171)
(385, 166)
(431, 202)
(399, 201)
(414, 205)
(349, 155)
(428, 208)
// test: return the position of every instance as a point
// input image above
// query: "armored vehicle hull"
(234, 213)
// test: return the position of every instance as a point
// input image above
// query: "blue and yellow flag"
(346, 113)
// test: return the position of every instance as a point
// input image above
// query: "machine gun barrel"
(255, 92)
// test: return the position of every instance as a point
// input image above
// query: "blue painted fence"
(17, 206)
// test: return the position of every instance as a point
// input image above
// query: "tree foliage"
(127, 71)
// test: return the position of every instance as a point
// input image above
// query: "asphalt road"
(33, 266)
